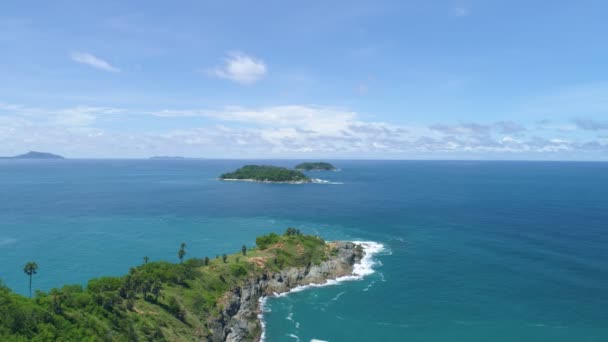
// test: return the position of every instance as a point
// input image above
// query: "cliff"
(239, 320)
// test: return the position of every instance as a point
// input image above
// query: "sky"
(309, 79)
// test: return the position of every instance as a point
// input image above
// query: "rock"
(240, 322)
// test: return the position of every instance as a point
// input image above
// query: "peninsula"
(35, 155)
(198, 299)
(265, 173)
(317, 166)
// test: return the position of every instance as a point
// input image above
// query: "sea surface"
(473, 251)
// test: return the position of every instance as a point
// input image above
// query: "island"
(167, 158)
(316, 166)
(211, 299)
(35, 155)
(267, 174)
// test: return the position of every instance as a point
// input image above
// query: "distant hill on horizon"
(171, 158)
(35, 155)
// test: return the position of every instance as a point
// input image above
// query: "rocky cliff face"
(239, 319)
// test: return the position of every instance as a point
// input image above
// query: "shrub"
(265, 241)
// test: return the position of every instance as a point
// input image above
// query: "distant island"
(317, 166)
(266, 173)
(199, 299)
(167, 158)
(35, 155)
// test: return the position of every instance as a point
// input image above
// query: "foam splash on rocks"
(361, 269)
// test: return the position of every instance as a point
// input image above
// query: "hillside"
(200, 299)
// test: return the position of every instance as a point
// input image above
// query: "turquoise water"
(475, 251)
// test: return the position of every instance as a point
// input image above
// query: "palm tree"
(146, 259)
(182, 252)
(244, 250)
(30, 269)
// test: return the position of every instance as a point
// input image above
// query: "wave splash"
(364, 268)
(323, 181)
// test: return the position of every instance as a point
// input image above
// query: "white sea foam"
(369, 286)
(263, 309)
(315, 340)
(338, 295)
(323, 181)
(361, 269)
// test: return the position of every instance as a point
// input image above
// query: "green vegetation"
(318, 166)
(264, 173)
(156, 301)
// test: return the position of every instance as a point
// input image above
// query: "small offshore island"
(198, 299)
(266, 174)
(316, 166)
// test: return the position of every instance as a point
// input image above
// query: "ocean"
(472, 250)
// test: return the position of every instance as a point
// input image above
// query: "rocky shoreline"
(264, 181)
(240, 317)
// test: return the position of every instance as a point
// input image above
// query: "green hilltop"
(316, 166)
(266, 173)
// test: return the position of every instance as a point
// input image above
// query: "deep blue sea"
(474, 251)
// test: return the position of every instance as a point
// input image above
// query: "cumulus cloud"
(240, 68)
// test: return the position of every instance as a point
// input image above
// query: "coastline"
(311, 181)
(263, 181)
(362, 268)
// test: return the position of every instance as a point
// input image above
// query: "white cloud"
(461, 11)
(72, 116)
(240, 68)
(278, 131)
(95, 62)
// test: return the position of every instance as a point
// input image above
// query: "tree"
(292, 231)
(57, 299)
(145, 287)
(224, 257)
(156, 289)
(146, 259)
(30, 269)
(206, 261)
(182, 252)
(244, 250)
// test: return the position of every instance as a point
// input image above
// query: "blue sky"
(277, 79)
